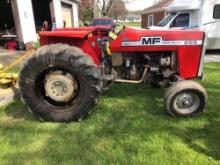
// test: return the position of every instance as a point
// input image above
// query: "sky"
(138, 4)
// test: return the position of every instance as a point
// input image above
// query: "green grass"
(16, 69)
(133, 24)
(129, 126)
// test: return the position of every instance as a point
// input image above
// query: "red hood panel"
(130, 39)
(134, 34)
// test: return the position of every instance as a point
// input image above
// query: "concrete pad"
(7, 95)
(7, 56)
(212, 58)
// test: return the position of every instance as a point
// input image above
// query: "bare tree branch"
(106, 6)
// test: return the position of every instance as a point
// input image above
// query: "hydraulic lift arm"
(11, 78)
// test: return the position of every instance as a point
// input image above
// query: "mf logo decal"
(151, 41)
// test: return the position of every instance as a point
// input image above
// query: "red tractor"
(64, 79)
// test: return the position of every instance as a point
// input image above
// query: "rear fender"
(77, 39)
(91, 48)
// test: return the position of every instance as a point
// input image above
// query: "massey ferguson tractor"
(63, 80)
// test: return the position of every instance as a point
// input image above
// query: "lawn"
(133, 24)
(129, 126)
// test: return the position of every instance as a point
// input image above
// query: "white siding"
(184, 5)
(24, 19)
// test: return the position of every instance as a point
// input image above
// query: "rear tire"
(185, 98)
(65, 60)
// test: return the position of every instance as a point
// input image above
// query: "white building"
(27, 16)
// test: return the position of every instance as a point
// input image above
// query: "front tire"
(60, 83)
(185, 98)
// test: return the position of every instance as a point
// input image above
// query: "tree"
(89, 8)
(118, 9)
(86, 12)
(106, 6)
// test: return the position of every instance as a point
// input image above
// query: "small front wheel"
(185, 98)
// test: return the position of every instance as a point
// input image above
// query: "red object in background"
(11, 45)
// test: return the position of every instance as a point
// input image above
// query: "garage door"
(67, 14)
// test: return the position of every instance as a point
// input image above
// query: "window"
(167, 19)
(67, 14)
(182, 20)
(150, 20)
(216, 14)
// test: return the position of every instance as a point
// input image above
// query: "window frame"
(151, 16)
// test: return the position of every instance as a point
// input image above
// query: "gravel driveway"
(212, 56)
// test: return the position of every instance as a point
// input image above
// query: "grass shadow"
(204, 140)
(18, 111)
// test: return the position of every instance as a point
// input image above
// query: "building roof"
(161, 6)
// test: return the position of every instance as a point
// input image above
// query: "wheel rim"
(186, 102)
(60, 87)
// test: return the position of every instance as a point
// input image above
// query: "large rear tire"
(60, 83)
(185, 98)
